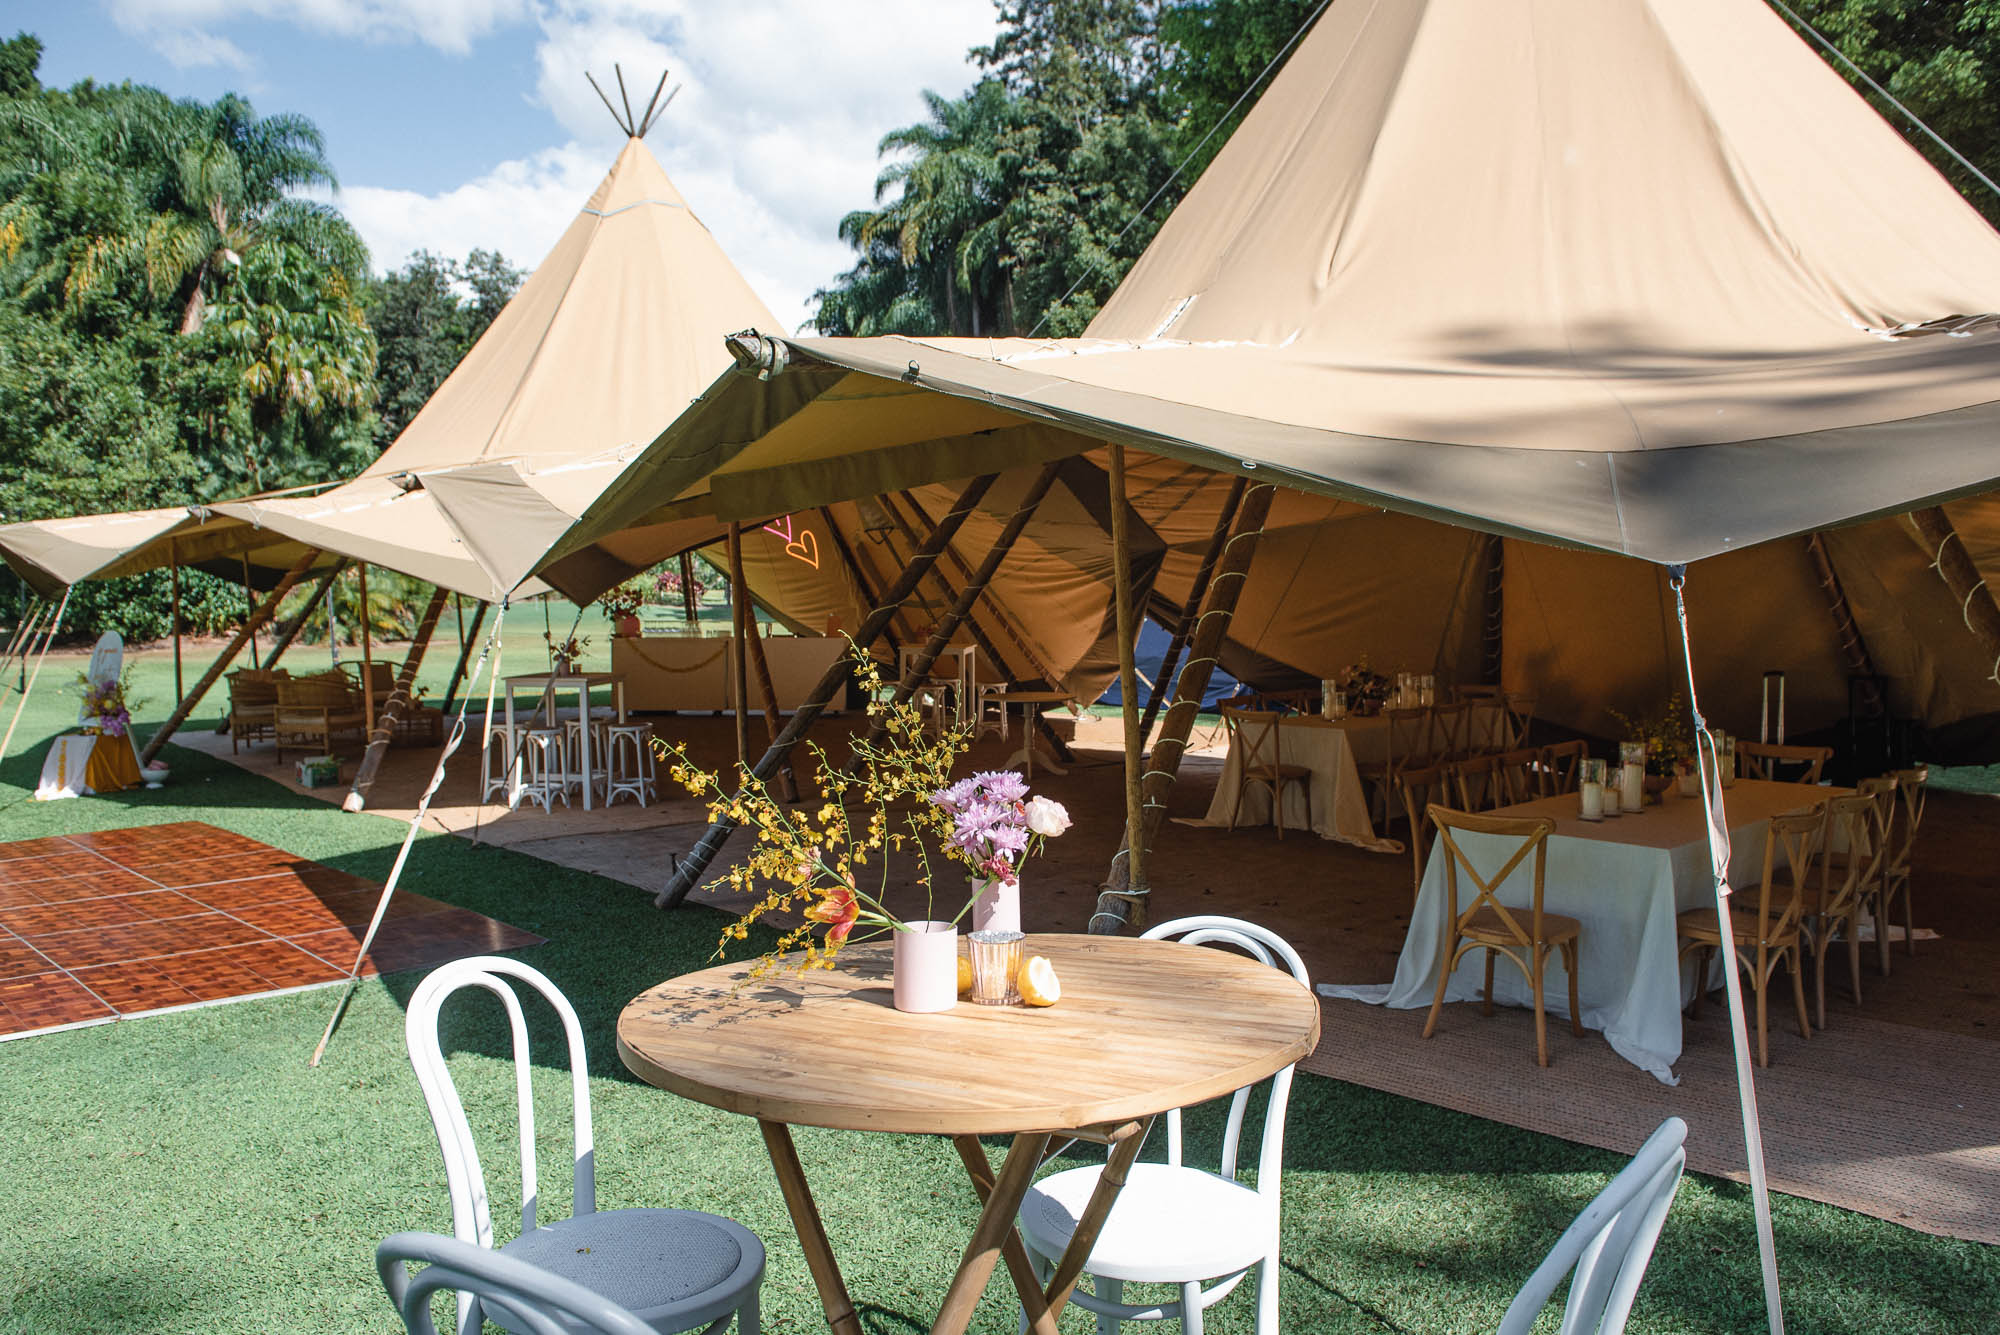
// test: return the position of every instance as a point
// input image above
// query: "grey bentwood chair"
(676, 1269)
(532, 1300)
(1609, 1245)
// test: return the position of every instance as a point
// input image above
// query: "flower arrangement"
(669, 585)
(1366, 689)
(566, 652)
(831, 865)
(623, 600)
(109, 704)
(1667, 733)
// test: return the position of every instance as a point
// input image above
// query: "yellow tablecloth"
(88, 762)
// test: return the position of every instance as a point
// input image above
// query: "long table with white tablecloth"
(1625, 880)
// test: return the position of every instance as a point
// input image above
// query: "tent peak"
(635, 127)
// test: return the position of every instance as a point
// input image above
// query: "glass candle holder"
(996, 963)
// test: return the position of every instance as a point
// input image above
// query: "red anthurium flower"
(838, 910)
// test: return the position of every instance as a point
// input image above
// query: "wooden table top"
(1677, 821)
(1143, 1026)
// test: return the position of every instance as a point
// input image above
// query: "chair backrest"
(1409, 741)
(535, 1301)
(1881, 793)
(1520, 718)
(1269, 948)
(1451, 729)
(1532, 831)
(1560, 762)
(1849, 821)
(1419, 786)
(251, 687)
(1253, 735)
(1609, 1244)
(327, 691)
(381, 676)
(1518, 774)
(1476, 783)
(1788, 849)
(1913, 785)
(1763, 760)
(470, 1214)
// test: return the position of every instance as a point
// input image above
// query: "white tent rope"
(1717, 822)
(1964, 608)
(409, 838)
(48, 638)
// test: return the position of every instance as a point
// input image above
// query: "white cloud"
(191, 48)
(449, 25)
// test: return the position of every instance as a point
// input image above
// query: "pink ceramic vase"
(998, 907)
(924, 956)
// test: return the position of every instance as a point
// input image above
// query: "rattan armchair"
(312, 711)
(253, 704)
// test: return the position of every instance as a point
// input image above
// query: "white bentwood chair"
(535, 1301)
(676, 1269)
(1175, 1224)
(1609, 1245)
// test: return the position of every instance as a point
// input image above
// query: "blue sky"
(462, 123)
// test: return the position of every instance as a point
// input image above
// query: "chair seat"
(1169, 1225)
(1744, 926)
(647, 1261)
(1486, 925)
(1277, 773)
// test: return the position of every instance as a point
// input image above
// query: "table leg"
(1022, 1270)
(996, 1227)
(840, 1315)
(1110, 1182)
(583, 723)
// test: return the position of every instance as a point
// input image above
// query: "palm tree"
(228, 191)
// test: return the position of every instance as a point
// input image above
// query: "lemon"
(964, 975)
(1037, 982)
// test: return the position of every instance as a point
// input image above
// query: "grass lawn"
(188, 1173)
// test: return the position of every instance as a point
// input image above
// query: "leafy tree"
(20, 58)
(424, 326)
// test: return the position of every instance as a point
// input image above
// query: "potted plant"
(831, 866)
(621, 606)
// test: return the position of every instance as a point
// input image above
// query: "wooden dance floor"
(97, 927)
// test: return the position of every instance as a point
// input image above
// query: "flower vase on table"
(924, 958)
(996, 904)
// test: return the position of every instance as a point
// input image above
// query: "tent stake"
(466, 639)
(1128, 673)
(394, 708)
(961, 607)
(1962, 577)
(691, 868)
(1196, 592)
(257, 617)
(1119, 900)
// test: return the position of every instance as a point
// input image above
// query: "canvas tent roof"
(51, 554)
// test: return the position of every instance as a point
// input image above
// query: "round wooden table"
(1143, 1026)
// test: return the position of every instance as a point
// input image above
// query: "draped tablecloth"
(1335, 804)
(1624, 879)
(80, 763)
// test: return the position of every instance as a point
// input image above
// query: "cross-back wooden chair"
(1475, 783)
(1881, 791)
(1253, 736)
(1406, 741)
(1766, 760)
(1518, 720)
(1524, 936)
(1769, 935)
(1451, 730)
(1518, 776)
(1833, 898)
(1418, 786)
(1912, 785)
(1559, 766)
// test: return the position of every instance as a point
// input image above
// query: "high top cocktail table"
(1143, 1026)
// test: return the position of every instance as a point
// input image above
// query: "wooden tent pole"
(1128, 673)
(985, 641)
(1853, 649)
(367, 658)
(466, 639)
(1492, 636)
(690, 869)
(49, 630)
(854, 571)
(257, 617)
(249, 604)
(290, 630)
(687, 590)
(1196, 592)
(788, 786)
(1000, 617)
(174, 564)
(961, 607)
(394, 707)
(24, 634)
(1118, 901)
(739, 669)
(1954, 565)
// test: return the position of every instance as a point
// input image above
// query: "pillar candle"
(1632, 786)
(1592, 795)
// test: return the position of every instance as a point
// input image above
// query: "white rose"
(1046, 817)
